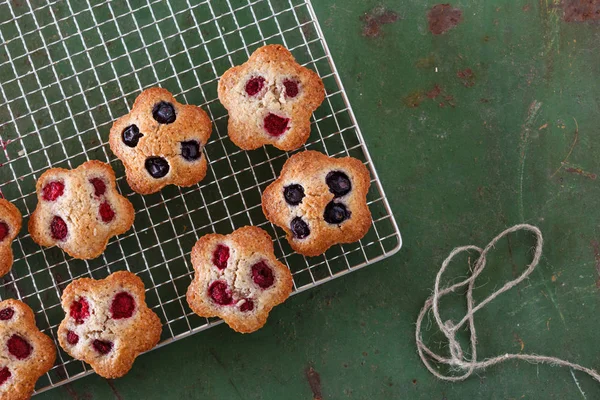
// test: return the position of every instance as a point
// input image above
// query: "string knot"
(465, 366)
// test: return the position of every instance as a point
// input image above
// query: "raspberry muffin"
(238, 278)
(270, 99)
(26, 355)
(161, 141)
(10, 226)
(79, 210)
(319, 201)
(108, 323)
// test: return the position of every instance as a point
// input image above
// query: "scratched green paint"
(454, 175)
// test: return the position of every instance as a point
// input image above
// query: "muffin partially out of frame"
(26, 354)
(10, 225)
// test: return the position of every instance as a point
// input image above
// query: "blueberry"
(190, 150)
(299, 228)
(339, 183)
(293, 194)
(336, 213)
(164, 112)
(157, 167)
(131, 135)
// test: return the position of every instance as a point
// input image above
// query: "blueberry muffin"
(161, 142)
(319, 201)
(108, 323)
(237, 278)
(26, 355)
(270, 99)
(79, 210)
(10, 226)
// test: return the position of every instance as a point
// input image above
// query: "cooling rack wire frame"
(68, 69)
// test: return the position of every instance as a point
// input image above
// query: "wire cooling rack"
(68, 69)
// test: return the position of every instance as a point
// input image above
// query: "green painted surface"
(456, 174)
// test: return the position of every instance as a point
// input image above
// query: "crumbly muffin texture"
(10, 226)
(270, 99)
(319, 201)
(161, 142)
(79, 210)
(108, 323)
(26, 353)
(238, 278)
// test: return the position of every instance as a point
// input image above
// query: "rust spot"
(374, 19)
(414, 99)
(596, 247)
(414, 381)
(526, 7)
(114, 389)
(442, 18)
(581, 172)
(519, 340)
(4, 143)
(426, 62)
(467, 77)
(314, 381)
(435, 92)
(450, 99)
(581, 10)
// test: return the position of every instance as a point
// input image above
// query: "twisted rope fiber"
(457, 361)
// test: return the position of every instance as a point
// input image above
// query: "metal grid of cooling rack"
(69, 68)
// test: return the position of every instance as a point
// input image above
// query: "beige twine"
(457, 361)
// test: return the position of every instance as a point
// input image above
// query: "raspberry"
(53, 191)
(102, 346)
(122, 306)
(6, 313)
(58, 228)
(4, 375)
(291, 88)
(106, 212)
(276, 125)
(4, 229)
(80, 310)
(18, 347)
(262, 275)
(219, 292)
(220, 256)
(247, 306)
(72, 337)
(255, 85)
(99, 186)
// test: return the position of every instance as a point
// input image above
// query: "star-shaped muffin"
(161, 142)
(238, 278)
(270, 99)
(10, 225)
(25, 355)
(79, 210)
(108, 323)
(319, 201)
